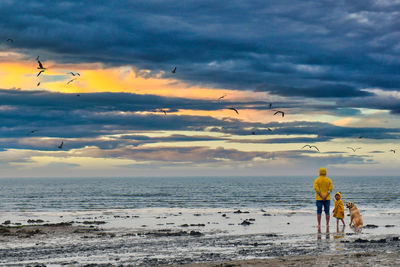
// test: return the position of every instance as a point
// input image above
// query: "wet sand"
(348, 259)
(192, 238)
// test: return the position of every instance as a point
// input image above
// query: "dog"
(355, 216)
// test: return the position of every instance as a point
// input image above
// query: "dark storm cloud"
(322, 131)
(390, 103)
(291, 48)
(337, 90)
(60, 115)
(92, 114)
(114, 120)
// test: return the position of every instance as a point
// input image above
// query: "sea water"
(283, 193)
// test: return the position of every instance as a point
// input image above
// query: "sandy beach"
(192, 237)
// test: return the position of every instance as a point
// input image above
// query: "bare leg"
(337, 226)
(343, 222)
(327, 223)
(319, 222)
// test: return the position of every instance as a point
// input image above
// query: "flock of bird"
(75, 75)
(282, 113)
(42, 69)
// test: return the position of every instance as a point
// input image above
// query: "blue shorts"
(325, 203)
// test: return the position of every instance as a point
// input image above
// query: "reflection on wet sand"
(327, 236)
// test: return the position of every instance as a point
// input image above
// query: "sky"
(332, 67)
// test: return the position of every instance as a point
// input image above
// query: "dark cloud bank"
(290, 48)
(297, 49)
(84, 118)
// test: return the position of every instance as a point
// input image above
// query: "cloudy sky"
(331, 66)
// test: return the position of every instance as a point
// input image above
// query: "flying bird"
(310, 146)
(60, 146)
(40, 65)
(174, 70)
(38, 84)
(354, 149)
(40, 72)
(10, 40)
(393, 150)
(234, 109)
(221, 97)
(280, 112)
(71, 81)
(74, 74)
(163, 110)
(32, 131)
(269, 129)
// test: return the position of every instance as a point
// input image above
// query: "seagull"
(280, 112)
(174, 70)
(60, 146)
(10, 40)
(393, 150)
(310, 146)
(74, 74)
(40, 72)
(38, 84)
(234, 109)
(40, 65)
(221, 97)
(31, 132)
(71, 81)
(354, 149)
(163, 110)
(269, 129)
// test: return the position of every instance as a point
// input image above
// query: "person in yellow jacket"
(323, 187)
(338, 211)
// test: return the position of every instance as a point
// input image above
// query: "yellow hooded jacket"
(322, 184)
(338, 211)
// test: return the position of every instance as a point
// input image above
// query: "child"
(338, 211)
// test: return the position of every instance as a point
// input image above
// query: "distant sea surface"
(289, 193)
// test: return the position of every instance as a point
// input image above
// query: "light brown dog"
(355, 216)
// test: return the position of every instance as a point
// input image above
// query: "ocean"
(286, 193)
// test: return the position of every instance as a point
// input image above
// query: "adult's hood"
(322, 172)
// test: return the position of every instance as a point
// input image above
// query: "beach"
(207, 221)
(350, 259)
(192, 237)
